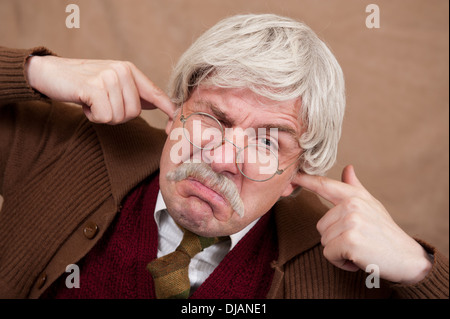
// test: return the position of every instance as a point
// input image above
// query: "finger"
(349, 214)
(87, 112)
(338, 223)
(332, 190)
(350, 266)
(349, 176)
(130, 94)
(132, 102)
(96, 106)
(114, 91)
(336, 252)
(329, 219)
(152, 95)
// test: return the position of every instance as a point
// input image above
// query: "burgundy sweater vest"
(115, 267)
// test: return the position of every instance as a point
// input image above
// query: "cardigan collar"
(296, 219)
(132, 153)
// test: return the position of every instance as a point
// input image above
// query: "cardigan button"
(90, 230)
(41, 280)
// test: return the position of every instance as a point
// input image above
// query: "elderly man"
(223, 206)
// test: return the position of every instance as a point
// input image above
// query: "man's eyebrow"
(217, 112)
(283, 128)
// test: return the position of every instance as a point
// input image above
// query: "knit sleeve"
(14, 88)
(13, 84)
(434, 286)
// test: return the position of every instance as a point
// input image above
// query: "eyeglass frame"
(279, 171)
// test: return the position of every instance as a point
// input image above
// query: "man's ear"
(293, 185)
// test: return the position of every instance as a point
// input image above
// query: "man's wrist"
(31, 69)
(36, 73)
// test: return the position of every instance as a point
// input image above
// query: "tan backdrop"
(396, 127)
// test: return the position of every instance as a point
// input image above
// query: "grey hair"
(277, 58)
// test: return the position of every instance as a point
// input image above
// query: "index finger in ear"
(330, 189)
(151, 95)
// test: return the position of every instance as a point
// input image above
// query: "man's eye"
(273, 145)
(266, 141)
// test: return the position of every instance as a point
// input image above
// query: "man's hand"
(358, 231)
(110, 92)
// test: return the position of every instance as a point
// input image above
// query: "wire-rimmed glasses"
(257, 161)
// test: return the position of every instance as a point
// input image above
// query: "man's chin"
(198, 216)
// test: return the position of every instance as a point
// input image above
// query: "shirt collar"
(161, 207)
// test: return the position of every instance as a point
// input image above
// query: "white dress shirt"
(204, 263)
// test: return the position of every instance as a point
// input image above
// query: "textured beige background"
(396, 127)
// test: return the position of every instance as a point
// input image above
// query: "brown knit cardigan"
(63, 179)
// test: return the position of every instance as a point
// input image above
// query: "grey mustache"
(219, 183)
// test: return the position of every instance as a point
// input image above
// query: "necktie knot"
(192, 244)
(171, 272)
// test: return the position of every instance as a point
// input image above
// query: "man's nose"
(223, 157)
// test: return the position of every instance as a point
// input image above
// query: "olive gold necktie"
(171, 272)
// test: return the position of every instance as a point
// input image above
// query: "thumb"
(349, 176)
